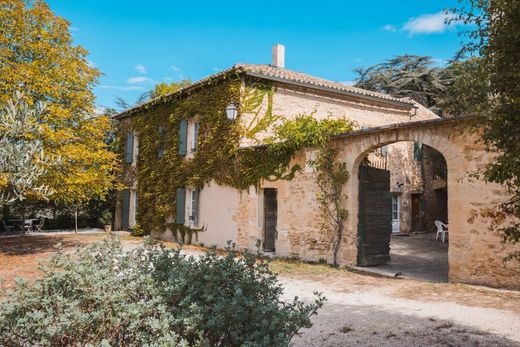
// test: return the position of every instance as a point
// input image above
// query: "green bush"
(103, 295)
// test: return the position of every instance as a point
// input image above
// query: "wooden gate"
(375, 216)
(270, 219)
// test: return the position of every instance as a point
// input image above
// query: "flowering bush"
(104, 295)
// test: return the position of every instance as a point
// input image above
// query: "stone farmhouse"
(417, 173)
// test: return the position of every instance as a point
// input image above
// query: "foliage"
(164, 88)
(331, 177)
(493, 36)
(407, 75)
(22, 159)
(38, 56)
(103, 295)
(218, 157)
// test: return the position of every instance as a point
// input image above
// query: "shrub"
(104, 295)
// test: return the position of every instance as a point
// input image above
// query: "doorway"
(270, 219)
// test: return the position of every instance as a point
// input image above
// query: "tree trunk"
(76, 219)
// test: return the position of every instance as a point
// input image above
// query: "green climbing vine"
(219, 156)
(331, 177)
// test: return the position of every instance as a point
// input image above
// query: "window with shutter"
(183, 137)
(180, 208)
(417, 151)
(129, 148)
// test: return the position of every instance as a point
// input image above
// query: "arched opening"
(402, 197)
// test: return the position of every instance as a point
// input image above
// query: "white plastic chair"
(441, 229)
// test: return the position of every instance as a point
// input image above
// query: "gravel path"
(373, 318)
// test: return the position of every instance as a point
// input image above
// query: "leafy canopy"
(494, 41)
(37, 57)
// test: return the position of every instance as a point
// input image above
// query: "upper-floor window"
(183, 137)
(195, 136)
(129, 148)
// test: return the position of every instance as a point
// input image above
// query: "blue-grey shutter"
(417, 151)
(125, 209)
(129, 148)
(180, 208)
(183, 137)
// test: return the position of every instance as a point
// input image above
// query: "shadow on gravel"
(342, 325)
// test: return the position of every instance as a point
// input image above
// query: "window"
(183, 137)
(384, 151)
(129, 148)
(417, 151)
(194, 215)
(160, 150)
(195, 135)
(395, 207)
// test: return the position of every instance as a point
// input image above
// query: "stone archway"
(475, 253)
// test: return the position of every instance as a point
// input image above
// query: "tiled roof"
(293, 76)
(282, 75)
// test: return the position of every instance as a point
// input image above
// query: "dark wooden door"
(270, 219)
(375, 216)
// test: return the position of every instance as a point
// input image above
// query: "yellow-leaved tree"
(39, 59)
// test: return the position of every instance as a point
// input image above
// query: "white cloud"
(389, 27)
(348, 83)
(175, 68)
(140, 68)
(139, 79)
(124, 88)
(428, 23)
(99, 109)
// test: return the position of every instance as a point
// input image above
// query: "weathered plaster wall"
(218, 208)
(475, 252)
(290, 101)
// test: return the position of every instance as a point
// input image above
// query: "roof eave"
(332, 90)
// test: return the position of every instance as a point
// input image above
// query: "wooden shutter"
(129, 148)
(125, 209)
(183, 137)
(417, 151)
(180, 208)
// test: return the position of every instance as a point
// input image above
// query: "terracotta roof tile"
(282, 74)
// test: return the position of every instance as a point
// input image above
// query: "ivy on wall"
(218, 157)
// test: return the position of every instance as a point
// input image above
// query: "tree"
(409, 76)
(38, 57)
(158, 90)
(22, 159)
(494, 39)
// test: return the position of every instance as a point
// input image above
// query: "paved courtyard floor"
(417, 256)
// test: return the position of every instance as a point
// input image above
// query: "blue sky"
(137, 44)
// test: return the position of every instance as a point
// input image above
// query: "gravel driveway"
(371, 317)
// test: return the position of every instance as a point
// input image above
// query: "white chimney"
(278, 56)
